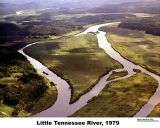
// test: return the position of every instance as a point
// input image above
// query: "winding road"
(62, 108)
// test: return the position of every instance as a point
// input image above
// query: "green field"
(155, 112)
(121, 98)
(5, 111)
(76, 59)
(136, 46)
(116, 75)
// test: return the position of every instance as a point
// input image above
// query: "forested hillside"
(149, 25)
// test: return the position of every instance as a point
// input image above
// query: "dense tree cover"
(23, 28)
(102, 18)
(10, 29)
(36, 26)
(26, 93)
(149, 25)
(23, 94)
(58, 27)
(21, 88)
(11, 32)
(28, 86)
(42, 30)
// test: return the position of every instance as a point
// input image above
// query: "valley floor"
(79, 60)
(82, 63)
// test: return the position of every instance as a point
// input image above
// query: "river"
(62, 108)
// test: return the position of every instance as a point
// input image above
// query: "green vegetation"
(22, 91)
(5, 110)
(136, 46)
(16, 74)
(38, 27)
(155, 112)
(77, 59)
(150, 25)
(121, 98)
(102, 18)
(51, 28)
(116, 75)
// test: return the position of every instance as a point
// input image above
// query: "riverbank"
(130, 66)
(136, 46)
(64, 91)
(22, 91)
(155, 112)
(76, 59)
(123, 98)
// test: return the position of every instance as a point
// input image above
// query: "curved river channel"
(62, 108)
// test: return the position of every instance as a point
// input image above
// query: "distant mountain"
(67, 1)
(141, 6)
(151, 6)
(75, 3)
(12, 7)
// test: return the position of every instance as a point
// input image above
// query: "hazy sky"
(23, 1)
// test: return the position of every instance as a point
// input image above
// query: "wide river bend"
(62, 106)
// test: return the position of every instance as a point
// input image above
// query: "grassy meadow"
(140, 48)
(116, 75)
(76, 59)
(122, 98)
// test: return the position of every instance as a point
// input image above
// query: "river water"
(62, 108)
